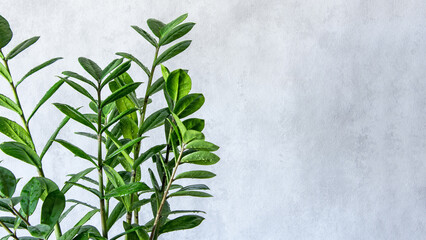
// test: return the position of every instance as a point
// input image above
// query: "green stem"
(8, 230)
(163, 200)
(100, 167)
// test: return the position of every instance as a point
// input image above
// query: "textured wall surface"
(319, 107)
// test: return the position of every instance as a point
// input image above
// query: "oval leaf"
(201, 158)
(74, 114)
(155, 26)
(154, 120)
(7, 182)
(15, 131)
(201, 145)
(197, 174)
(178, 84)
(30, 194)
(91, 67)
(52, 208)
(145, 35)
(5, 32)
(181, 223)
(173, 51)
(189, 104)
(21, 47)
(21, 152)
(121, 92)
(176, 33)
(128, 189)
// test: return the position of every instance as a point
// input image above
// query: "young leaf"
(36, 69)
(74, 114)
(21, 47)
(176, 33)
(30, 194)
(8, 103)
(114, 177)
(7, 182)
(155, 26)
(121, 92)
(46, 97)
(190, 135)
(53, 137)
(201, 158)
(5, 32)
(197, 174)
(182, 128)
(190, 193)
(111, 67)
(21, 152)
(134, 59)
(127, 189)
(15, 132)
(75, 178)
(116, 73)
(39, 231)
(76, 150)
(154, 120)
(181, 223)
(169, 26)
(52, 208)
(178, 84)
(91, 67)
(79, 77)
(145, 35)
(5, 73)
(201, 145)
(78, 88)
(148, 154)
(189, 104)
(173, 51)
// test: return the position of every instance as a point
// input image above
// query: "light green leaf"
(52, 208)
(36, 69)
(178, 84)
(21, 152)
(145, 35)
(30, 194)
(169, 26)
(76, 150)
(21, 47)
(7, 182)
(116, 119)
(5, 32)
(134, 59)
(46, 97)
(197, 174)
(154, 120)
(190, 135)
(5, 73)
(127, 189)
(121, 92)
(155, 26)
(75, 178)
(189, 104)
(148, 154)
(91, 67)
(113, 176)
(181, 223)
(86, 218)
(116, 73)
(79, 77)
(78, 88)
(8, 103)
(176, 33)
(74, 114)
(201, 158)
(173, 51)
(15, 132)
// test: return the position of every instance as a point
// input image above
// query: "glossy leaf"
(169, 26)
(74, 114)
(76, 150)
(115, 63)
(78, 88)
(91, 67)
(39, 231)
(190, 193)
(125, 146)
(201, 145)
(21, 47)
(178, 85)
(114, 177)
(176, 33)
(8, 103)
(191, 135)
(197, 174)
(46, 97)
(154, 120)
(52, 208)
(116, 73)
(201, 158)
(155, 26)
(127, 189)
(194, 124)
(189, 104)
(145, 35)
(157, 86)
(75, 178)
(134, 59)
(116, 119)
(5, 32)
(79, 77)
(181, 223)
(7, 182)
(90, 135)
(118, 212)
(173, 51)
(91, 190)
(15, 132)
(86, 218)
(5, 73)
(148, 154)
(30, 194)
(21, 152)
(53, 136)
(38, 68)
(121, 92)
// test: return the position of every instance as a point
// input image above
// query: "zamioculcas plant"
(120, 122)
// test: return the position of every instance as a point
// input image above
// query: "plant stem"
(163, 200)
(8, 230)
(100, 167)
(16, 213)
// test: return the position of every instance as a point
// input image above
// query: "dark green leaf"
(134, 59)
(125, 146)
(173, 51)
(118, 212)
(190, 194)
(8, 103)
(189, 104)
(66, 212)
(127, 189)
(86, 218)
(79, 77)
(76, 150)
(78, 88)
(114, 177)
(39, 231)
(74, 114)
(92, 190)
(145, 35)
(178, 85)
(21, 47)
(176, 33)
(148, 154)
(10, 222)
(156, 86)
(5, 32)
(90, 135)
(75, 178)
(15, 132)
(116, 119)
(46, 97)
(154, 120)
(194, 124)
(7, 182)
(155, 26)
(30, 194)
(201, 145)
(53, 137)
(198, 174)
(39, 67)
(81, 203)
(140, 203)
(121, 92)
(201, 158)
(111, 67)
(195, 187)
(91, 67)
(181, 223)
(21, 152)
(52, 208)
(116, 73)
(169, 26)
(69, 235)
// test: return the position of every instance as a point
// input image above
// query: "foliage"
(118, 125)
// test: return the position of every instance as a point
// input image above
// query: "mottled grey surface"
(319, 107)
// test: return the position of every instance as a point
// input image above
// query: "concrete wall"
(318, 106)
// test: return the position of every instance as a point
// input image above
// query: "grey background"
(319, 107)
